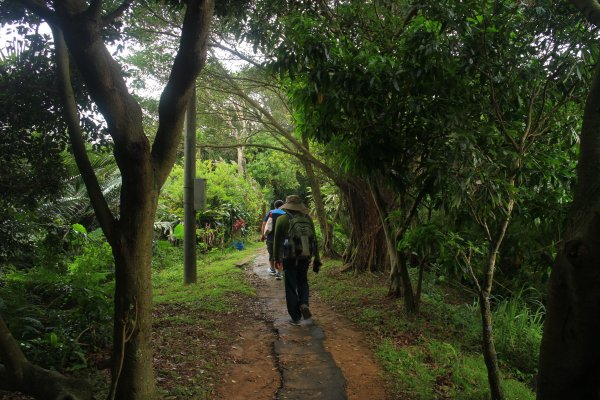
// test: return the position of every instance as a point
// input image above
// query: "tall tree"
(79, 30)
(570, 354)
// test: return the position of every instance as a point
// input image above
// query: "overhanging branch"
(263, 146)
(116, 13)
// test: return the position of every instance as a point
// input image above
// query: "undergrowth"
(199, 309)
(62, 315)
(436, 354)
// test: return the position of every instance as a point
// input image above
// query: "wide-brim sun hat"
(294, 203)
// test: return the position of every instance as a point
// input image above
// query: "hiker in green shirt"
(295, 245)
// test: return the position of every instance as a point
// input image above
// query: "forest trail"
(323, 358)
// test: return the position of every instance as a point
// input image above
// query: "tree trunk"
(241, 161)
(190, 274)
(395, 287)
(132, 371)
(399, 276)
(484, 291)
(419, 285)
(570, 352)
(367, 247)
(143, 169)
(410, 305)
(489, 349)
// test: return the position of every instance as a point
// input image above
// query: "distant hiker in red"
(268, 233)
(295, 245)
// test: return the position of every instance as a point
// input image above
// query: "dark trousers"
(295, 273)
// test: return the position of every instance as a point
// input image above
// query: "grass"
(191, 321)
(435, 355)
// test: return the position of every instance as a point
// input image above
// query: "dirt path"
(324, 358)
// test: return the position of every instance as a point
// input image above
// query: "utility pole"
(189, 213)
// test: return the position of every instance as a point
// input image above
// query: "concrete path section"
(308, 370)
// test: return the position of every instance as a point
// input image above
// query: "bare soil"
(251, 370)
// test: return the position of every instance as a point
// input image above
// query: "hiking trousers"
(295, 272)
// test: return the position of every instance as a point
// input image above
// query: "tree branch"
(262, 146)
(101, 208)
(116, 13)
(235, 52)
(190, 59)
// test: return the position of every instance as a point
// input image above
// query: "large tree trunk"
(18, 374)
(570, 352)
(367, 249)
(132, 348)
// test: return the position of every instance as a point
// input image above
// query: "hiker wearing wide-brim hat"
(294, 203)
(294, 246)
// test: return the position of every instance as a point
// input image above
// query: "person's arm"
(262, 227)
(316, 266)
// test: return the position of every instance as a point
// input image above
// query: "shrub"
(60, 317)
(518, 332)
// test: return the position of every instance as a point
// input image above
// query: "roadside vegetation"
(437, 355)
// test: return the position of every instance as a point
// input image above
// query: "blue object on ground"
(238, 245)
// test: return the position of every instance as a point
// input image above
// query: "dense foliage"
(233, 204)
(463, 115)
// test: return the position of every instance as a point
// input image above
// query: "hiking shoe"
(295, 322)
(278, 276)
(305, 311)
(272, 271)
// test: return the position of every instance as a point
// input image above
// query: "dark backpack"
(300, 241)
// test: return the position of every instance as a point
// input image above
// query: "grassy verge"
(435, 355)
(191, 321)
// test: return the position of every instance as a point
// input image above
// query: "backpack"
(300, 241)
(268, 225)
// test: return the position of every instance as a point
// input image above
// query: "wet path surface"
(308, 369)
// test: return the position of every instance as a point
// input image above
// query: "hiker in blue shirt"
(274, 268)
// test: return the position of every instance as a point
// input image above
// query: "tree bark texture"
(367, 249)
(570, 351)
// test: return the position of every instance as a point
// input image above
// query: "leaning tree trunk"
(570, 351)
(489, 349)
